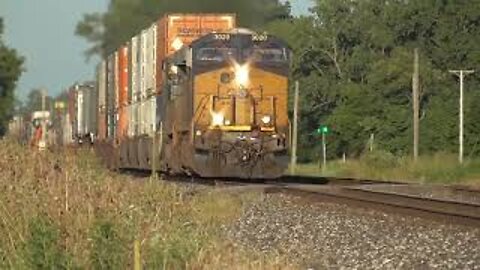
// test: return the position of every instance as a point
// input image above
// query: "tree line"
(354, 61)
(11, 67)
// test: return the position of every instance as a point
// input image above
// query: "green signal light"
(323, 130)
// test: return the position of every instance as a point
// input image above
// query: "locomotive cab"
(228, 92)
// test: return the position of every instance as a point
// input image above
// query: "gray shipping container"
(90, 108)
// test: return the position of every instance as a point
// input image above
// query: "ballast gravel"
(333, 236)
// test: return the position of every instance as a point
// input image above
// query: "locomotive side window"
(216, 54)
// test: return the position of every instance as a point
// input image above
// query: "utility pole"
(416, 105)
(293, 161)
(461, 74)
(324, 151)
(371, 142)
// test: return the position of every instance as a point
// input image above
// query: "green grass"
(65, 211)
(440, 168)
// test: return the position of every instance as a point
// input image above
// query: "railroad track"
(353, 192)
(447, 211)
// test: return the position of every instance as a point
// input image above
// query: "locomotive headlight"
(217, 119)
(242, 74)
(266, 119)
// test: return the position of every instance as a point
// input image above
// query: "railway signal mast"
(324, 130)
(461, 74)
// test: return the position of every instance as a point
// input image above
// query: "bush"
(42, 249)
(108, 249)
(379, 159)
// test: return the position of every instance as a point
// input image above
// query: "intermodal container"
(111, 97)
(143, 64)
(133, 69)
(151, 61)
(102, 102)
(122, 71)
(134, 85)
(177, 30)
(90, 108)
(71, 103)
(79, 130)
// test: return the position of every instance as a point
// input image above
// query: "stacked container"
(82, 107)
(111, 119)
(79, 131)
(122, 92)
(102, 102)
(134, 85)
(149, 91)
(132, 76)
(89, 108)
(177, 30)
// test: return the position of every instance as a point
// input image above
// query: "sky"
(43, 32)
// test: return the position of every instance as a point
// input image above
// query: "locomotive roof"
(239, 32)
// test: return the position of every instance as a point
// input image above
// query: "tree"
(10, 70)
(353, 59)
(124, 18)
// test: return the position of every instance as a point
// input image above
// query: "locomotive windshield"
(216, 54)
(265, 54)
(263, 51)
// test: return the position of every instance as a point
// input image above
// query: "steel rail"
(446, 211)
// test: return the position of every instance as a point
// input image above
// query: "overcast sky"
(43, 32)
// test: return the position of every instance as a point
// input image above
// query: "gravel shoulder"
(332, 236)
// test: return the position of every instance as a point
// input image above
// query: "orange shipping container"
(177, 30)
(122, 124)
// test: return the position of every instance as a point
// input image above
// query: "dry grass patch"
(441, 168)
(62, 210)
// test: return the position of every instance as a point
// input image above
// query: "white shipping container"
(146, 122)
(80, 124)
(143, 64)
(134, 69)
(90, 108)
(86, 112)
(135, 118)
(141, 117)
(150, 65)
(151, 112)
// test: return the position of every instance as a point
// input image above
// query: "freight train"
(194, 95)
